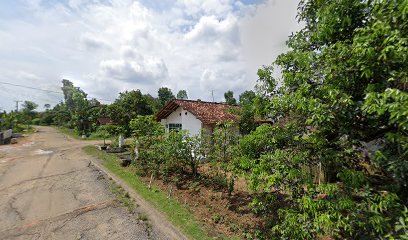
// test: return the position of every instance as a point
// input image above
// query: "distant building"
(195, 116)
(103, 120)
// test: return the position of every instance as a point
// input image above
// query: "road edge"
(155, 216)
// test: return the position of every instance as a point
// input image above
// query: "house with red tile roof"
(194, 116)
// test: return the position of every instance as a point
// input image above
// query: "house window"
(174, 126)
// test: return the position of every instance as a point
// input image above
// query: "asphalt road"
(48, 190)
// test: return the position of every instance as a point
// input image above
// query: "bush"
(150, 143)
(164, 155)
(145, 126)
(113, 130)
(36, 121)
(167, 154)
(100, 133)
(337, 214)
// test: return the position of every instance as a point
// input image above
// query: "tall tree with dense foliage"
(229, 98)
(47, 106)
(247, 112)
(28, 110)
(153, 103)
(59, 114)
(29, 106)
(80, 113)
(68, 91)
(165, 95)
(341, 111)
(247, 98)
(128, 106)
(76, 111)
(182, 94)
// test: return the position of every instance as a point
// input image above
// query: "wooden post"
(320, 170)
(170, 191)
(151, 180)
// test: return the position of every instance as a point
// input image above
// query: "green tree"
(47, 106)
(128, 106)
(68, 90)
(60, 115)
(77, 106)
(222, 152)
(247, 98)
(165, 95)
(103, 131)
(342, 108)
(28, 110)
(150, 144)
(182, 94)
(153, 103)
(10, 120)
(145, 126)
(29, 107)
(80, 112)
(247, 112)
(191, 151)
(229, 98)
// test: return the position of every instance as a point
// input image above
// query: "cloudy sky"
(108, 46)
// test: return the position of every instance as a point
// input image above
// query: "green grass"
(122, 196)
(177, 213)
(143, 217)
(29, 130)
(69, 132)
(72, 133)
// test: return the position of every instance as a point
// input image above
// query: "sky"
(109, 46)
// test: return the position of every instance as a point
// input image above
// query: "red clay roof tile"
(207, 112)
(104, 120)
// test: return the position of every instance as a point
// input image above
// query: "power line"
(17, 85)
(44, 97)
(45, 90)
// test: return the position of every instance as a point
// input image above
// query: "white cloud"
(264, 33)
(218, 79)
(141, 69)
(92, 42)
(206, 7)
(108, 47)
(209, 28)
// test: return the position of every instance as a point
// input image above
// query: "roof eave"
(166, 110)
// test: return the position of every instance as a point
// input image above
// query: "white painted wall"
(191, 123)
(188, 121)
(174, 117)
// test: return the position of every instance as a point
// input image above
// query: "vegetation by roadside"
(74, 134)
(332, 161)
(176, 212)
(122, 196)
(19, 121)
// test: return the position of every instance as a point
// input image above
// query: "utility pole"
(212, 94)
(17, 101)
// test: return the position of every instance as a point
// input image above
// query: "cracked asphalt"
(48, 190)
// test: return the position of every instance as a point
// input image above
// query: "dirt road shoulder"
(156, 218)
